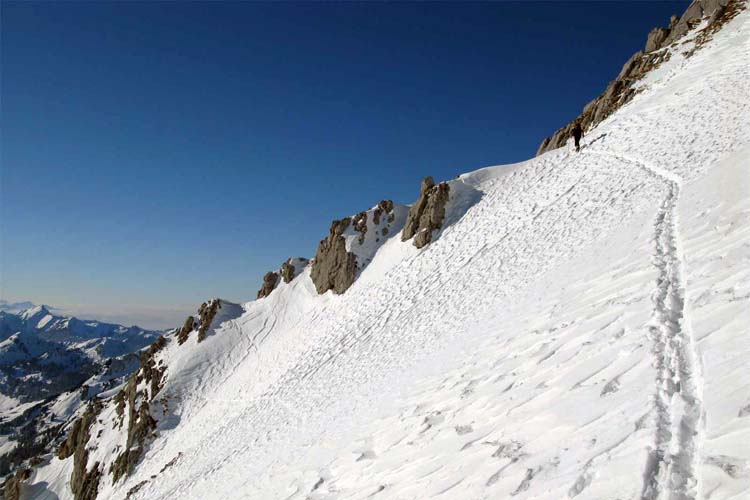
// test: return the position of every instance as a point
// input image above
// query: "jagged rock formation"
(206, 314)
(334, 268)
(292, 268)
(84, 482)
(721, 14)
(131, 415)
(621, 90)
(184, 332)
(351, 244)
(52, 365)
(270, 280)
(12, 485)
(427, 213)
(289, 270)
(383, 207)
(359, 222)
(142, 387)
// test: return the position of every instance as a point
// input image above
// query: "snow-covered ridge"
(684, 34)
(49, 366)
(575, 329)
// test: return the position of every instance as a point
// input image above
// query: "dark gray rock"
(84, 482)
(359, 222)
(292, 268)
(427, 213)
(415, 212)
(433, 214)
(334, 268)
(270, 280)
(287, 272)
(206, 315)
(384, 207)
(716, 15)
(140, 424)
(12, 485)
(184, 332)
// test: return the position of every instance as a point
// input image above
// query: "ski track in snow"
(495, 237)
(540, 347)
(672, 470)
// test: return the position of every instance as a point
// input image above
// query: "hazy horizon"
(156, 155)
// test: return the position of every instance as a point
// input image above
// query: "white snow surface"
(579, 328)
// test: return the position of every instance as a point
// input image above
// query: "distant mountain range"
(15, 307)
(51, 364)
(571, 326)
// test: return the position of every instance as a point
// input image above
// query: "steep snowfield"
(578, 329)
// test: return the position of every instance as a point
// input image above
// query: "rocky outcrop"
(292, 268)
(184, 332)
(84, 482)
(135, 489)
(140, 427)
(656, 38)
(723, 11)
(427, 213)
(415, 212)
(270, 280)
(359, 222)
(334, 268)
(206, 313)
(287, 272)
(12, 485)
(137, 402)
(151, 372)
(621, 90)
(383, 207)
(351, 245)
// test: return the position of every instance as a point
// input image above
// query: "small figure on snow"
(577, 133)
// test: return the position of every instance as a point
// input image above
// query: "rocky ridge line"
(347, 249)
(427, 213)
(621, 90)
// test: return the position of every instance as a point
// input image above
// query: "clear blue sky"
(157, 154)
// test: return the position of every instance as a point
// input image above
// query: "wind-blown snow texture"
(579, 328)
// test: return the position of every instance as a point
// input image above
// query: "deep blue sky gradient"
(157, 154)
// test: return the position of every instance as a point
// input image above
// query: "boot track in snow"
(672, 470)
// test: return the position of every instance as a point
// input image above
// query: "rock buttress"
(270, 280)
(184, 332)
(84, 482)
(141, 424)
(12, 486)
(334, 268)
(427, 213)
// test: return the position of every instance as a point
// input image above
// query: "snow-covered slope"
(578, 328)
(45, 360)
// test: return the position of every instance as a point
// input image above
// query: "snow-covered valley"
(578, 327)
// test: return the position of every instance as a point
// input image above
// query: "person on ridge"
(577, 133)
